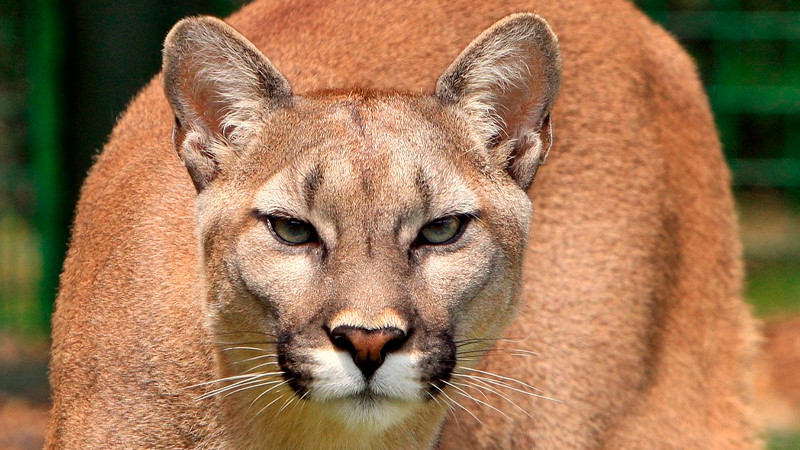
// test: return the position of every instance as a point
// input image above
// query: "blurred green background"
(67, 70)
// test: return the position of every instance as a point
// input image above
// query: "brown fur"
(631, 278)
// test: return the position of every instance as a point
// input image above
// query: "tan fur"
(625, 298)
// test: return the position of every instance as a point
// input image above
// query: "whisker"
(465, 394)
(255, 380)
(302, 405)
(514, 380)
(447, 404)
(474, 352)
(243, 348)
(458, 404)
(497, 339)
(483, 386)
(482, 356)
(222, 380)
(255, 358)
(507, 386)
(469, 384)
(522, 350)
(287, 403)
(503, 351)
(261, 365)
(268, 405)
(250, 386)
(248, 332)
(500, 383)
(217, 391)
(259, 342)
(268, 391)
(472, 342)
(444, 402)
(433, 398)
(478, 355)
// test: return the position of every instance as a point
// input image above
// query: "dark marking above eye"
(369, 245)
(424, 188)
(311, 182)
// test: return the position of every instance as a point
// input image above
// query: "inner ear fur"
(506, 82)
(220, 87)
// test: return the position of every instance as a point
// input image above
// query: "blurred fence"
(749, 58)
(20, 240)
(58, 103)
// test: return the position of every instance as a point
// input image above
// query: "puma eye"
(291, 231)
(444, 230)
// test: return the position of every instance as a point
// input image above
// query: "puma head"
(358, 247)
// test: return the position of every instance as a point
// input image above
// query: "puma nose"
(367, 347)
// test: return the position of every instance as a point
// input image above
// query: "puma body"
(307, 226)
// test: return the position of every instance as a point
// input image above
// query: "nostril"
(394, 343)
(341, 341)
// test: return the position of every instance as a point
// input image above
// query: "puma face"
(358, 247)
(364, 240)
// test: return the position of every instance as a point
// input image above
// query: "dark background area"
(68, 69)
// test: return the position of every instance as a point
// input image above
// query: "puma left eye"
(441, 231)
(291, 231)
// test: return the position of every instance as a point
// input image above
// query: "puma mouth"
(327, 375)
(330, 375)
(359, 404)
(368, 400)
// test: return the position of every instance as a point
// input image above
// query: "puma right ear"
(506, 82)
(220, 87)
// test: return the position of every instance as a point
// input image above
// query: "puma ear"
(220, 87)
(506, 82)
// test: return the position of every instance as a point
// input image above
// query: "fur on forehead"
(439, 190)
(375, 149)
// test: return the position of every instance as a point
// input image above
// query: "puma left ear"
(220, 87)
(506, 82)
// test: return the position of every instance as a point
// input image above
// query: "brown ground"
(23, 394)
(22, 424)
(778, 376)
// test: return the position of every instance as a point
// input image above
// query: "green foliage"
(784, 442)
(773, 287)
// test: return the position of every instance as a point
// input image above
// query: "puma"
(324, 232)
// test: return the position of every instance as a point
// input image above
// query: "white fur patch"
(373, 416)
(335, 376)
(395, 388)
(398, 377)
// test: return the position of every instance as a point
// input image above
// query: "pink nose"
(368, 347)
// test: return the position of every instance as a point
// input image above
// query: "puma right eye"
(442, 231)
(291, 231)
